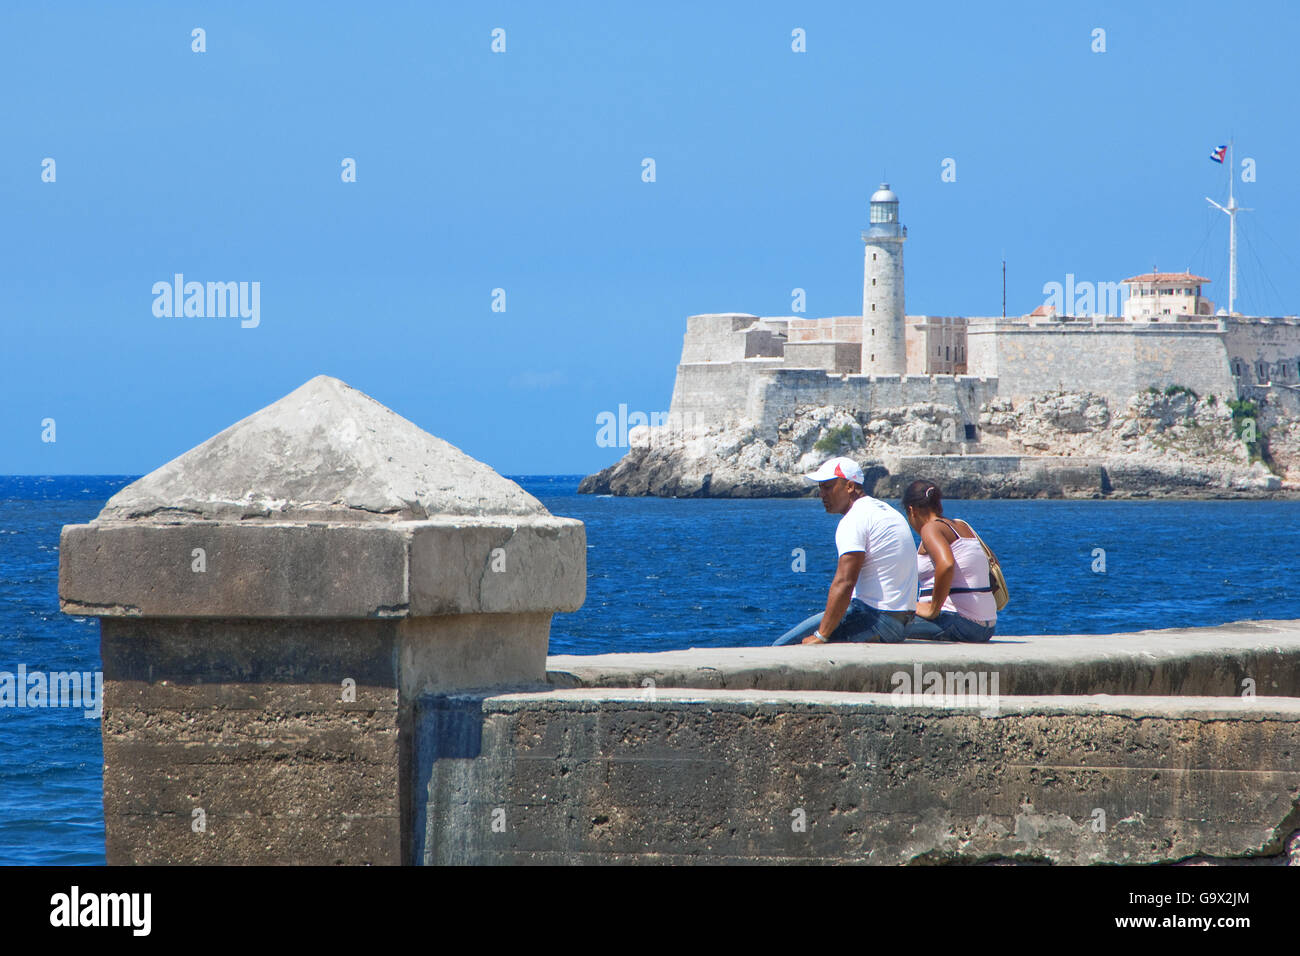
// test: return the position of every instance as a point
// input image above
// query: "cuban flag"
(1218, 154)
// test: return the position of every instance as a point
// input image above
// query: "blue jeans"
(861, 624)
(950, 626)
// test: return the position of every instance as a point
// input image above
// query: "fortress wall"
(712, 393)
(836, 328)
(764, 343)
(936, 344)
(1114, 363)
(810, 330)
(917, 347)
(1015, 360)
(839, 356)
(774, 394)
(1197, 360)
(1282, 400)
(715, 337)
(981, 350)
(1275, 342)
(847, 328)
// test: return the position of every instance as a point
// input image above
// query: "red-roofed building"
(1153, 296)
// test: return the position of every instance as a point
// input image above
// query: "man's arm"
(837, 600)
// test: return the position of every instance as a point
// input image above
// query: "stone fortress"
(1045, 403)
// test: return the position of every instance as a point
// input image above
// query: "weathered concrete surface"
(323, 569)
(324, 504)
(249, 728)
(292, 739)
(274, 602)
(324, 452)
(1209, 661)
(710, 776)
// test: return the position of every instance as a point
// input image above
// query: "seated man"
(873, 595)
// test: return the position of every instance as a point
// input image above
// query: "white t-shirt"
(888, 577)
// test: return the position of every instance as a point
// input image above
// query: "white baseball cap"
(838, 468)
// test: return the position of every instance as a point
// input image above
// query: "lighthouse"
(884, 351)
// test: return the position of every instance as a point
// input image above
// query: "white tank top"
(971, 570)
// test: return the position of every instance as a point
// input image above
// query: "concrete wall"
(254, 728)
(1188, 662)
(1108, 359)
(716, 776)
(777, 755)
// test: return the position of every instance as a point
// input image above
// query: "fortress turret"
(884, 350)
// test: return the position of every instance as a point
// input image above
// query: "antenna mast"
(1231, 209)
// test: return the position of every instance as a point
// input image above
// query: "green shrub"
(836, 441)
(1245, 413)
(1177, 389)
(1243, 408)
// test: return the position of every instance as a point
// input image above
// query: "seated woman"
(956, 601)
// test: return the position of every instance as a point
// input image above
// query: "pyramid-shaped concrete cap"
(324, 452)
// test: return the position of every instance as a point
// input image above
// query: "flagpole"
(1232, 238)
(1231, 209)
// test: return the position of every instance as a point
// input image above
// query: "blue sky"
(522, 171)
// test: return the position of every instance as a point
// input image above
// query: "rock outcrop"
(1058, 444)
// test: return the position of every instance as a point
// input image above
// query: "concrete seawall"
(324, 635)
(711, 776)
(1208, 661)
(1124, 748)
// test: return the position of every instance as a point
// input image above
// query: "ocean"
(663, 575)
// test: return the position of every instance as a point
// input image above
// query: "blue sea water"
(661, 575)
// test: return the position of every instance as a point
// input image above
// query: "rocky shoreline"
(1169, 444)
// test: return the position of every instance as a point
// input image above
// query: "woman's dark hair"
(923, 494)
